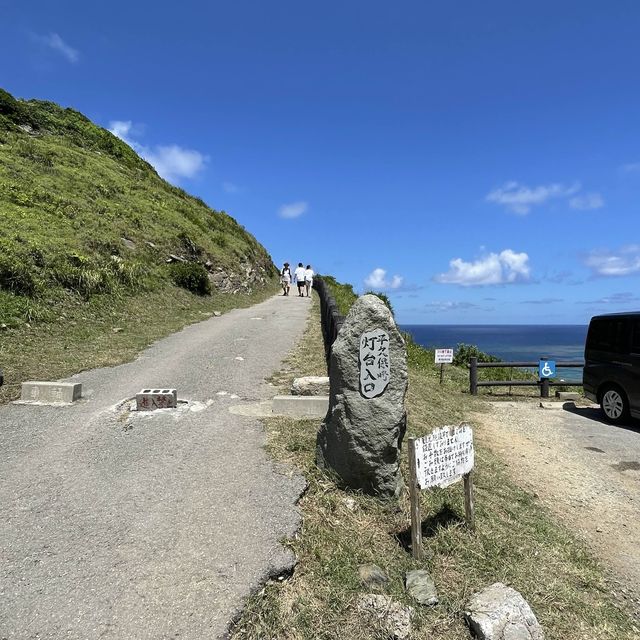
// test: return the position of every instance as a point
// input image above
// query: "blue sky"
(479, 162)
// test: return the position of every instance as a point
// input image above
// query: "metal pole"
(441, 372)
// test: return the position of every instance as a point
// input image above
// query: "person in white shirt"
(299, 278)
(308, 279)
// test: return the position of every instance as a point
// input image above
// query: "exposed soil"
(594, 490)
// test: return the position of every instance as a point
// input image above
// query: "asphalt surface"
(118, 524)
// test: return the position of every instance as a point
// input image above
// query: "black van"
(612, 365)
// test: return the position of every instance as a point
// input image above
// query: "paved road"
(115, 525)
(584, 470)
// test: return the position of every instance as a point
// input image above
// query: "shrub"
(192, 277)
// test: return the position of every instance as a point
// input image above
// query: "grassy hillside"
(81, 213)
(92, 238)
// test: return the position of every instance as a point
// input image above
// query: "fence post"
(473, 376)
(544, 388)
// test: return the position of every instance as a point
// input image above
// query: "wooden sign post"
(442, 357)
(440, 459)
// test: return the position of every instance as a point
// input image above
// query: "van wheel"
(614, 404)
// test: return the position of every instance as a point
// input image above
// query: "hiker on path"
(285, 279)
(299, 276)
(308, 278)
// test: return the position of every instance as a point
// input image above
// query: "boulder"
(501, 613)
(421, 587)
(360, 438)
(391, 616)
(372, 575)
(310, 386)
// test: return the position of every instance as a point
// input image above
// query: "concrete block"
(51, 392)
(301, 406)
(568, 395)
(151, 399)
(310, 386)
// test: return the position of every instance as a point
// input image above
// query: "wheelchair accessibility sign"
(547, 369)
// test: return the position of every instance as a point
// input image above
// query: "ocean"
(509, 342)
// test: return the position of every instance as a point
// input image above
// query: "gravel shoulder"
(121, 525)
(585, 471)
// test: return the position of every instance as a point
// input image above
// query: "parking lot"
(587, 472)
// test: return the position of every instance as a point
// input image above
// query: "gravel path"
(116, 524)
(585, 471)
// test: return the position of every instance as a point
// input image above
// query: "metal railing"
(543, 383)
(330, 317)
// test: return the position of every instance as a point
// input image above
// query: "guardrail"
(330, 317)
(543, 383)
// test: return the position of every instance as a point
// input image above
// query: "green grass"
(517, 541)
(81, 212)
(87, 228)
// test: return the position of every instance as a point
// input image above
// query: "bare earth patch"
(584, 471)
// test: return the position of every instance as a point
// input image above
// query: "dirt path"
(586, 472)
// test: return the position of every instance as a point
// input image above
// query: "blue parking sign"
(547, 369)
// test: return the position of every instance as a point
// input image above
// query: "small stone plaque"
(51, 392)
(375, 363)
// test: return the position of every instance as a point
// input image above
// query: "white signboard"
(444, 356)
(375, 363)
(444, 456)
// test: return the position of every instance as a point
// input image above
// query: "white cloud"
(520, 199)
(587, 201)
(506, 267)
(293, 210)
(624, 297)
(377, 280)
(448, 305)
(624, 262)
(54, 42)
(230, 187)
(172, 162)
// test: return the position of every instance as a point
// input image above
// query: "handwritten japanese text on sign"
(444, 356)
(444, 456)
(375, 363)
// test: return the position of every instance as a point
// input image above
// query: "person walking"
(299, 277)
(308, 279)
(285, 279)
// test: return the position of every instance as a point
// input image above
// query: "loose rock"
(310, 386)
(372, 574)
(360, 439)
(421, 587)
(501, 613)
(393, 617)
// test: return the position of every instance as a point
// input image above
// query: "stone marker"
(151, 399)
(372, 575)
(421, 587)
(51, 392)
(360, 438)
(310, 386)
(394, 618)
(501, 613)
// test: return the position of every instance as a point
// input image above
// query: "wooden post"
(414, 494)
(473, 376)
(441, 371)
(468, 500)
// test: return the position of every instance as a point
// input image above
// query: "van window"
(635, 337)
(608, 334)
